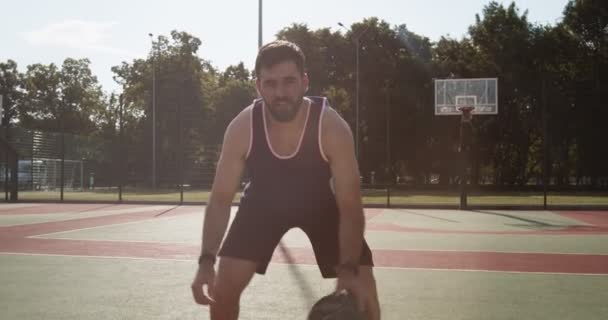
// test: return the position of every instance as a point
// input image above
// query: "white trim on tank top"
(250, 129)
(323, 107)
(301, 135)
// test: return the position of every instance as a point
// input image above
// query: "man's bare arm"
(339, 148)
(227, 179)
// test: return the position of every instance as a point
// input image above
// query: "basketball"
(336, 307)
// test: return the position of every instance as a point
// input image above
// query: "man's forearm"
(217, 216)
(351, 235)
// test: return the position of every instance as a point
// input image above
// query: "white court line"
(49, 236)
(151, 219)
(44, 235)
(93, 257)
(73, 216)
(310, 246)
(487, 251)
(18, 205)
(193, 261)
(111, 240)
(471, 251)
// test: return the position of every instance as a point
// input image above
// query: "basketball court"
(91, 261)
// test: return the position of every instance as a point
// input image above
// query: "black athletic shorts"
(255, 234)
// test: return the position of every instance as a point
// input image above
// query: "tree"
(184, 85)
(505, 37)
(61, 100)
(11, 83)
(587, 22)
(238, 73)
(227, 102)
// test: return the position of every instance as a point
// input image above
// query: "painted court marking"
(23, 239)
(311, 265)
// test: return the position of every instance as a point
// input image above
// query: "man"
(300, 156)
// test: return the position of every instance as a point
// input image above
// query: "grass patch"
(370, 197)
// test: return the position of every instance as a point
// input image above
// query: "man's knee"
(232, 278)
(227, 293)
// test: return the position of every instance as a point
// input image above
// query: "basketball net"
(467, 113)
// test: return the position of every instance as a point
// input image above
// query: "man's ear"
(257, 86)
(306, 82)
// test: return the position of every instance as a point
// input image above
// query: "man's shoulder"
(334, 129)
(243, 119)
(318, 100)
(239, 129)
(332, 120)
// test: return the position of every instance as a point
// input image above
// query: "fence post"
(61, 170)
(388, 195)
(545, 142)
(120, 147)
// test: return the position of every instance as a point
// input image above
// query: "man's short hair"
(279, 51)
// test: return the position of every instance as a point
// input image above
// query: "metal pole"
(466, 136)
(153, 114)
(6, 166)
(6, 163)
(81, 175)
(154, 123)
(357, 99)
(260, 24)
(388, 150)
(180, 143)
(61, 178)
(2, 115)
(356, 38)
(120, 147)
(463, 169)
(545, 143)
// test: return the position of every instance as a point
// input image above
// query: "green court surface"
(39, 287)
(61, 261)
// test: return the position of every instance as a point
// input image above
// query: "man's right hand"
(205, 277)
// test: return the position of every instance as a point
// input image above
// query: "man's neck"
(295, 124)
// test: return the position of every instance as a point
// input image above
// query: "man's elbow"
(352, 213)
(221, 199)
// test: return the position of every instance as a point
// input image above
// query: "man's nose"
(281, 91)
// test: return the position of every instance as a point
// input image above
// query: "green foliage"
(560, 67)
(63, 99)
(11, 82)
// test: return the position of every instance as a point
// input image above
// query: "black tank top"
(296, 183)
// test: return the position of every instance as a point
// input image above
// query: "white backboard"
(451, 94)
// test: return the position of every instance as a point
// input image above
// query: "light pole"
(356, 39)
(153, 113)
(260, 24)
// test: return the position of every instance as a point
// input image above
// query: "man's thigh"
(323, 235)
(253, 236)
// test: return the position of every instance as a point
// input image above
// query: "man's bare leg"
(233, 276)
(372, 305)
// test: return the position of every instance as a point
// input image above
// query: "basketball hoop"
(467, 113)
(464, 97)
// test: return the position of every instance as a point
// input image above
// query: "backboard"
(452, 94)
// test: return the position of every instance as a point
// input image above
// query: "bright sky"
(111, 31)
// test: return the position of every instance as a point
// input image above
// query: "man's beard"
(285, 109)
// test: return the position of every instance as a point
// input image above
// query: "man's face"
(282, 87)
